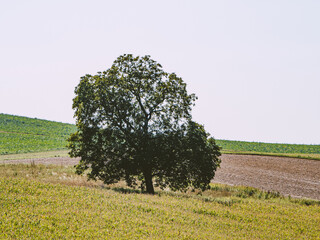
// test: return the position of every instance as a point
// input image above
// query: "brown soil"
(65, 161)
(289, 176)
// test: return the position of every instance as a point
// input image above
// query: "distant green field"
(28, 135)
(273, 149)
(22, 134)
(241, 146)
(52, 202)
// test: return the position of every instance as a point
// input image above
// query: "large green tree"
(134, 124)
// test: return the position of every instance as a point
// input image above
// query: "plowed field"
(289, 176)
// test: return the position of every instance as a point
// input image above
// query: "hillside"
(52, 202)
(23, 134)
(26, 135)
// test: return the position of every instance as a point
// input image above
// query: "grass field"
(23, 135)
(51, 202)
(271, 149)
(27, 135)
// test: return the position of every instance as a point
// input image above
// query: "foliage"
(34, 206)
(22, 134)
(135, 123)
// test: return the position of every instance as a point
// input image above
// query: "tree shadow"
(126, 190)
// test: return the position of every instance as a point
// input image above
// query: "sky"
(254, 65)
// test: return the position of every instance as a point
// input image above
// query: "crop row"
(24, 125)
(22, 143)
(23, 135)
(241, 146)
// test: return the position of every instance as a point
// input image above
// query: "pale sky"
(255, 65)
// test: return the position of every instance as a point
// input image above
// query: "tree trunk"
(149, 184)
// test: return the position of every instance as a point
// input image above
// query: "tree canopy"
(134, 124)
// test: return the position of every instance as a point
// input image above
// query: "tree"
(134, 124)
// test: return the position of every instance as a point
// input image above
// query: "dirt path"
(289, 176)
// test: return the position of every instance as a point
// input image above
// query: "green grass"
(50, 202)
(23, 135)
(271, 149)
(28, 135)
